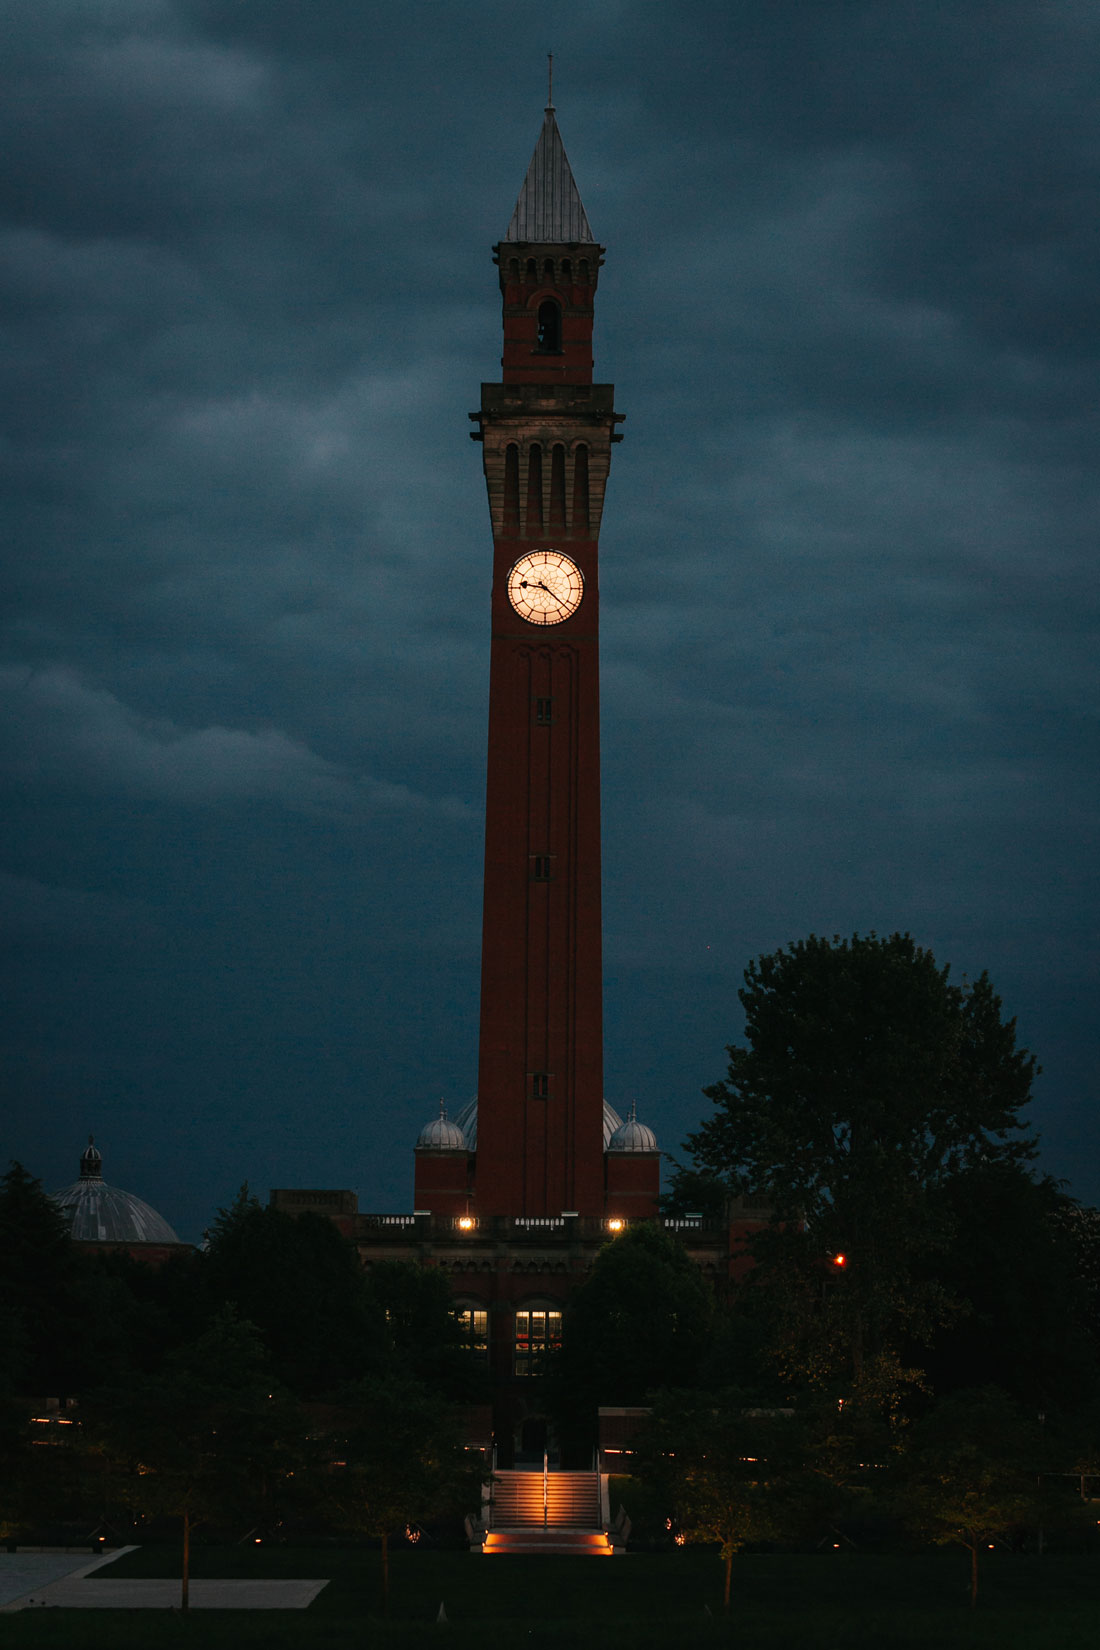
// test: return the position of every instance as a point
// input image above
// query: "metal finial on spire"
(550, 83)
(442, 1108)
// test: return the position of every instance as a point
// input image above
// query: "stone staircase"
(553, 1512)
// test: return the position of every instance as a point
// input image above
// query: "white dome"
(466, 1120)
(633, 1136)
(441, 1135)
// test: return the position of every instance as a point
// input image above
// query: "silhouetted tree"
(41, 1304)
(970, 1473)
(730, 1472)
(398, 1460)
(300, 1282)
(867, 1080)
(642, 1319)
(424, 1341)
(1012, 1265)
(210, 1436)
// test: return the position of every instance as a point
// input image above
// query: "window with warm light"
(473, 1330)
(538, 1331)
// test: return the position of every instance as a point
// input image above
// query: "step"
(562, 1542)
(523, 1499)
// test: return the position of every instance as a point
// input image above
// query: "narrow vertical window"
(511, 490)
(582, 272)
(541, 865)
(544, 712)
(566, 271)
(532, 271)
(534, 491)
(580, 493)
(540, 1085)
(557, 488)
(549, 333)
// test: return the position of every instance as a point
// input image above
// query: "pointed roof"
(549, 207)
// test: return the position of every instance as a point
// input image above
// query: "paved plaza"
(60, 1580)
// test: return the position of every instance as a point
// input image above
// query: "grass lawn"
(788, 1602)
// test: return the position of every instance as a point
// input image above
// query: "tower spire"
(550, 83)
(549, 210)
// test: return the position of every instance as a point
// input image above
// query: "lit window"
(473, 1329)
(538, 1331)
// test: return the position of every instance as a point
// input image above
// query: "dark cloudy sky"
(849, 552)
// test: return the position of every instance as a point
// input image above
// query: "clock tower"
(546, 431)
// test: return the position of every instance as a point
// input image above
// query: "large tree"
(211, 1435)
(642, 1319)
(866, 1081)
(300, 1282)
(42, 1310)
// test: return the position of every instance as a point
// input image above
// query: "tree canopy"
(866, 1082)
(299, 1280)
(642, 1319)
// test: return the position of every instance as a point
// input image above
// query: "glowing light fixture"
(616, 1225)
(466, 1223)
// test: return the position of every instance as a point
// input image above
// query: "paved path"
(58, 1580)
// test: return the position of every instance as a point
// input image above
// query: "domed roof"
(633, 1136)
(101, 1213)
(441, 1135)
(466, 1120)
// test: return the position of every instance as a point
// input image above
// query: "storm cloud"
(849, 596)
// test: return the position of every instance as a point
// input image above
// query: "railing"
(479, 1229)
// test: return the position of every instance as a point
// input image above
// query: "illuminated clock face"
(545, 586)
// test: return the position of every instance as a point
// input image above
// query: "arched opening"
(557, 489)
(549, 334)
(548, 268)
(513, 269)
(511, 490)
(566, 269)
(582, 271)
(580, 492)
(532, 271)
